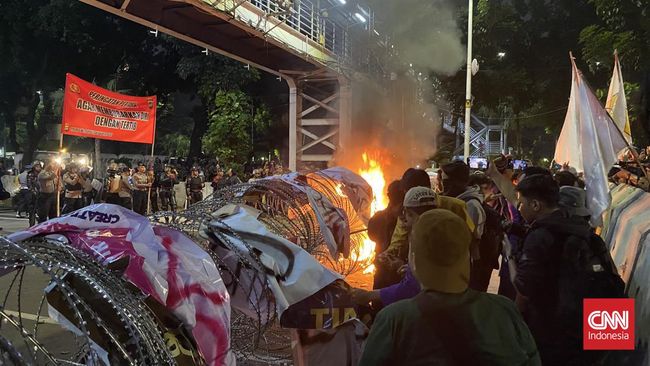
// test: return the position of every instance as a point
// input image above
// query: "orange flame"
(374, 175)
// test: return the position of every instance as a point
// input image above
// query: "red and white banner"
(91, 111)
(163, 263)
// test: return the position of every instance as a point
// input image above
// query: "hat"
(456, 171)
(419, 197)
(439, 251)
(574, 199)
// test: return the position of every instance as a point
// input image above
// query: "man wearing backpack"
(488, 234)
(562, 262)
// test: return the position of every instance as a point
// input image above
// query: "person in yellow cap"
(417, 201)
(447, 323)
(398, 248)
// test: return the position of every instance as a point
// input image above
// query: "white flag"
(589, 142)
(616, 102)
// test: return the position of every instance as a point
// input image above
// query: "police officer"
(34, 188)
(194, 186)
(112, 184)
(155, 184)
(73, 184)
(48, 182)
(126, 189)
(167, 196)
(23, 193)
(88, 193)
(141, 184)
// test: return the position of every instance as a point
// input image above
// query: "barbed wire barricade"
(109, 319)
(286, 210)
(99, 317)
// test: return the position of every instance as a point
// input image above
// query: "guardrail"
(305, 17)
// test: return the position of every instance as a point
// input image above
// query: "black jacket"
(537, 279)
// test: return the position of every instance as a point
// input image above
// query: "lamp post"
(468, 90)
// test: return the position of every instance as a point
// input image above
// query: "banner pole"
(58, 178)
(153, 144)
(635, 155)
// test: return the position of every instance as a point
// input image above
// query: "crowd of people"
(438, 245)
(146, 188)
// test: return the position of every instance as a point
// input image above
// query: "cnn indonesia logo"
(608, 324)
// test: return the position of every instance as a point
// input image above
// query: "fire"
(374, 175)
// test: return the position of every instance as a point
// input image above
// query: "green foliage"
(214, 73)
(529, 84)
(624, 25)
(174, 144)
(230, 126)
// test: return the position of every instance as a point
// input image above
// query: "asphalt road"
(9, 223)
(22, 297)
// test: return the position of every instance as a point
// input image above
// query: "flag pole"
(58, 178)
(635, 155)
(153, 144)
(611, 120)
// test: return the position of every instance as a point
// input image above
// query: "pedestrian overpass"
(304, 42)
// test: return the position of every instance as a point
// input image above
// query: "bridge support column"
(293, 123)
(320, 111)
(345, 112)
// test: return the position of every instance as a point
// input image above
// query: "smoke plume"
(425, 33)
(393, 111)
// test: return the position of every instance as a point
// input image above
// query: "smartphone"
(478, 163)
(520, 164)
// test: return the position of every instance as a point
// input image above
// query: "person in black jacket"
(557, 329)
(168, 179)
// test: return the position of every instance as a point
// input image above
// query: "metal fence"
(305, 17)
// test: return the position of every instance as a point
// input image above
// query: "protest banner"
(91, 111)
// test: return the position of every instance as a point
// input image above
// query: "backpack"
(491, 242)
(586, 270)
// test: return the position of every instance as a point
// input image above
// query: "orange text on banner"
(91, 111)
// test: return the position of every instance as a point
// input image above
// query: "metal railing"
(305, 17)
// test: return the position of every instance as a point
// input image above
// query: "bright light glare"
(342, 2)
(83, 161)
(361, 18)
(501, 54)
(58, 160)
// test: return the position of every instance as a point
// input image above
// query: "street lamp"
(361, 18)
(501, 55)
(468, 89)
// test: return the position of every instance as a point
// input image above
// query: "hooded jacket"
(537, 279)
(474, 199)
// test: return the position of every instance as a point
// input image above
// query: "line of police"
(139, 190)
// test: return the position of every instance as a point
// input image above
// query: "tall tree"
(623, 25)
(211, 74)
(232, 124)
(523, 50)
